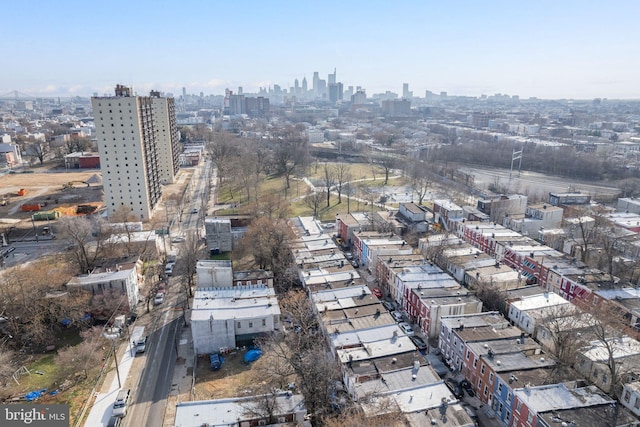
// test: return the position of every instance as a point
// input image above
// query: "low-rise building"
(526, 312)
(285, 409)
(123, 279)
(225, 318)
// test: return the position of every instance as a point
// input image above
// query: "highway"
(536, 184)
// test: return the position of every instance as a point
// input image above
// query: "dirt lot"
(231, 380)
(48, 189)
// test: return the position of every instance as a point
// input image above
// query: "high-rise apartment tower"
(139, 149)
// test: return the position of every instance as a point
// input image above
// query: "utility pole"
(515, 155)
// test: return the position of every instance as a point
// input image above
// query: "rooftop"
(229, 411)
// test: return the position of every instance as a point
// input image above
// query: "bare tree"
(420, 179)
(81, 357)
(313, 199)
(303, 352)
(342, 177)
(290, 151)
(38, 149)
(187, 263)
(388, 162)
(7, 364)
(87, 237)
(268, 242)
(222, 148)
(567, 330)
(329, 181)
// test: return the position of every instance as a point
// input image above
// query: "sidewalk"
(102, 406)
(183, 375)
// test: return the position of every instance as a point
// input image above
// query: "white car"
(159, 298)
(406, 328)
(168, 269)
(397, 316)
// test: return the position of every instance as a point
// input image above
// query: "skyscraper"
(304, 86)
(332, 78)
(138, 144)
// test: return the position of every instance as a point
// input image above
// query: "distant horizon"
(546, 49)
(177, 93)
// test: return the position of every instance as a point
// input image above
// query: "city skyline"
(548, 50)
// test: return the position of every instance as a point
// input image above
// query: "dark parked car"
(466, 385)
(455, 388)
(419, 342)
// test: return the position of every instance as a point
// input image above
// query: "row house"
(427, 305)
(537, 406)
(497, 275)
(419, 277)
(564, 199)
(317, 251)
(491, 364)
(536, 218)
(457, 331)
(471, 213)
(348, 224)
(504, 206)
(485, 236)
(508, 382)
(593, 360)
(368, 246)
(446, 213)
(459, 259)
(386, 269)
(626, 300)
(527, 312)
(414, 216)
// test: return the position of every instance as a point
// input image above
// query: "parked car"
(471, 411)
(348, 255)
(406, 328)
(466, 386)
(455, 388)
(397, 316)
(168, 269)
(194, 210)
(114, 422)
(355, 263)
(120, 405)
(420, 343)
(159, 298)
(388, 305)
(377, 292)
(177, 239)
(141, 345)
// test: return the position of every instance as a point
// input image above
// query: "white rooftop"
(540, 301)
(223, 412)
(557, 396)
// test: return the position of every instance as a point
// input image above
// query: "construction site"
(29, 201)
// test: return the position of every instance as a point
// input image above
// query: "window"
(482, 369)
(486, 390)
(491, 377)
(239, 325)
(499, 388)
(264, 322)
(251, 324)
(637, 404)
(468, 354)
(475, 362)
(507, 416)
(530, 417)
(519, 406)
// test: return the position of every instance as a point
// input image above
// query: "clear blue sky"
(548, 49)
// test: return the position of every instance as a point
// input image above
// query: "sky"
(547, 49)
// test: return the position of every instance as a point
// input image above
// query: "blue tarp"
(252, 355)
(216, 361)
(33, 395)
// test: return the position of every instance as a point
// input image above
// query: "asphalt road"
(150, 394)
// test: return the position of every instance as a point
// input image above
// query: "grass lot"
(356, 170)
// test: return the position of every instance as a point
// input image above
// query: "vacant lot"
(232, 379)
